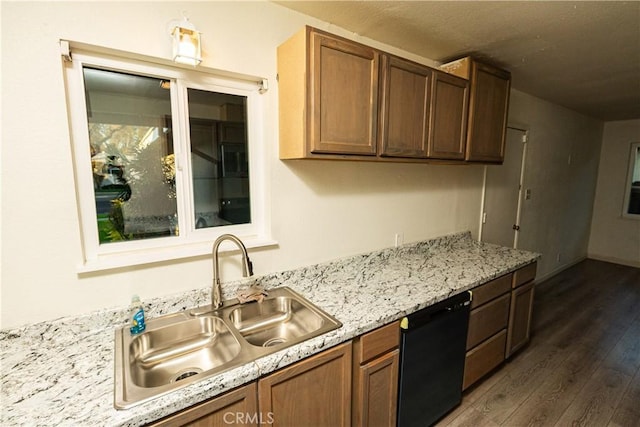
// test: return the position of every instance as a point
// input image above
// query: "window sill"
(169, 253)
(635, 217)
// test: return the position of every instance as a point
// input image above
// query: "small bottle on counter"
(136, 316)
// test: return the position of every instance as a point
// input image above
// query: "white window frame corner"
(634, 162)
(192, 242)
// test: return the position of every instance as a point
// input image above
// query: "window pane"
(131, 155)
(633, 207)
(219, 158)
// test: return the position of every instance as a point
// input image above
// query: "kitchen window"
(631, 207)
(166, 159)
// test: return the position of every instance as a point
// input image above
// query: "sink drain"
(274, 341)
(186, 374)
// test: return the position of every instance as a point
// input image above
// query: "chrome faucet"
(247, 267)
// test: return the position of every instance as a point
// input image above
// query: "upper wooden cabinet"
(328, 96)
(405, 102)
(488, 107)
(448, 118)
(489, 103)
(342, 100)
(423, 111)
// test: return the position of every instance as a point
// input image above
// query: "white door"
(503, 189)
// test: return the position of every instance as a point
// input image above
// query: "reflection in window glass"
(220, 167)
(632, 196)
(131, 155)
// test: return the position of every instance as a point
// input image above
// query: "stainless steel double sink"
(179, 349)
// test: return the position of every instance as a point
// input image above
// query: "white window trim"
(190, 242)
(627, 188)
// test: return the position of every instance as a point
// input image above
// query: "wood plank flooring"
(582, 366)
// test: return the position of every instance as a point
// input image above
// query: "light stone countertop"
(61, 372)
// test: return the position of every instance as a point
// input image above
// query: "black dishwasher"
(432, 352)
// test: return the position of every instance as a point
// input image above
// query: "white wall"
(319, 210)
(561, 171)
(615, 238)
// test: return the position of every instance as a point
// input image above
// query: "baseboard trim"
(560, 269)
(614, 260)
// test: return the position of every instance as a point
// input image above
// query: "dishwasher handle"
(429, 314)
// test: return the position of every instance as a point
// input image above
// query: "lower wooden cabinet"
(487, 334)
(378, 391)
(483, 358)
(238, 407)
(376, 366)
(520, 313)
(524, 275)
(488, 320)
(356, 383)
(499, 322)
(314, 391)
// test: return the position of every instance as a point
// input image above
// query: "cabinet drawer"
(378, 342)
(490, 290)
(484, 358)
(488, 319)
(524, 275)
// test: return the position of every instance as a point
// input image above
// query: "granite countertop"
(61, 372)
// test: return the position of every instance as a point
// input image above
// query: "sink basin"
(179, 349)
(276, 321)
(175, 350)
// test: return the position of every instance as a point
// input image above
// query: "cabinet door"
(405, 98)
(489, 102)
(238, 407)
(343, 91)
(315, 391)
(376, 396)
(448, 121)
(520, 317)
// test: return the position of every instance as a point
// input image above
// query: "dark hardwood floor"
(582, 366)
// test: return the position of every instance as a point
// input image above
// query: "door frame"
(521, 128)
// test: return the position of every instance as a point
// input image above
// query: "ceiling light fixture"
(186, 43)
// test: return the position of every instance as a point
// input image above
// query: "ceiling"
(584, 55)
